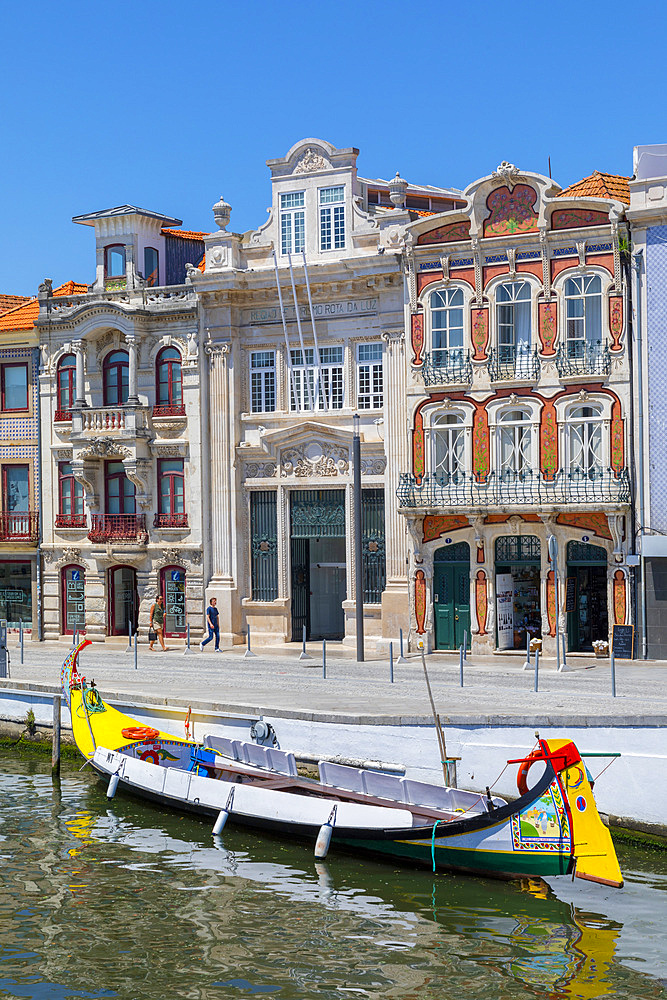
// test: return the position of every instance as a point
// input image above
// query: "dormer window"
(114, 261)
(151, 266)
(292, 222)
(332, 218)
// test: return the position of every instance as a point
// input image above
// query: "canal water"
(121, 899)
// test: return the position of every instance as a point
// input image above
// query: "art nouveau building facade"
(519, 395)
(121, 417)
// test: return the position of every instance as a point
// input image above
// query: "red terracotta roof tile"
(23, 317)
(600, 185)
(185, 234)
(8, 302)
(202, 264)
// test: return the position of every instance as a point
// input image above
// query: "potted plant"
(601, 648)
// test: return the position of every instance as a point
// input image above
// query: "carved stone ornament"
(373, 466)
(103, 447)
(310, 162)
(506, 172)
(191, 273)
(69, 555)
(315, 459)
(259, 470)
(171, 557)
(222, 211)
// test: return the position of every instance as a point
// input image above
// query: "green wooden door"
(451, 605)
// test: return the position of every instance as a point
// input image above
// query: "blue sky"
(166, 105)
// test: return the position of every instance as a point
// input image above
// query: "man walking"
(212, 614)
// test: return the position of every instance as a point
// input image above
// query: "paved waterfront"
(276, 681)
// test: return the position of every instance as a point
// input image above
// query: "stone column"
(222, 583)
(395, 599)
(80, 387)
(131, 341)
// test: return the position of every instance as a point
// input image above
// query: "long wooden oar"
(436, 719)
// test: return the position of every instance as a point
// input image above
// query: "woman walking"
(156, 626)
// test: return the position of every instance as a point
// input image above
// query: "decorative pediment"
(317, 458)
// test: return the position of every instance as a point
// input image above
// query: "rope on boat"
(93, 701)
(435, 827)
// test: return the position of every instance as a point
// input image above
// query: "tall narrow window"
(116, 376)
(583, 297)
(446, 326)
(66, 386)
(114, 261)
(119, 490)
(14, 379)
(151, 273)
(263, 381)
(169, 383)
(514, 443)
(313, 387)
(171, 511)
(584, 425)
(448, 445)
(292, 222)
(264, 545)
(373, 545)
(70, 499)
(369, 376)
(15, 489)
(332, 218)
(514, 321)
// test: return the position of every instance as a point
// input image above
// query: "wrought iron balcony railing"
(170, 521)
(118, 527)
(71, 521)
(169, 410)
(529, 488)
(61, 416)
(579, 357)
(508, 364)
(19, 526)
(447, 367)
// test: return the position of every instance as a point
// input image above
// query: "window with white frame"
(314, 386)
(369, 376)
(513, 312)
(292, 222)
(332, 218)
(584, 438)
(446, 326)
(262, 381)
(448, 445)
(583, 301)
(515, 438)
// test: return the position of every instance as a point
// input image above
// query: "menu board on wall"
(505, 610)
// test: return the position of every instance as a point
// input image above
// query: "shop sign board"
(622, 641)
(571, 594)
(505, 610)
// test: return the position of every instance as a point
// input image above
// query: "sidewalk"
(496, 688)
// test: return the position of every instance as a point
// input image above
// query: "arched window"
(448, 445)
(584, 438)
(446, 325)
(116, 375)
(114, 261)
(513, 314)
(583, 300)
(515, 442)
(66, 386)
(168, 382)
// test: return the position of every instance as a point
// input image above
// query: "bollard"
(55, 746)
(248, 651)
(465, 646)
(565, 667)
(129, 637)
(391, 663)
(303, 655)
(324, 659)
(21, 641)
(187, 640)
(527, 665)
(461, 659)
(613, 673)
(136, 642)
(401, 658)
(537, 668)
(75, 637)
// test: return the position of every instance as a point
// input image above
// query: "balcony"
(170, 521)
(18, 526)
(118, 528)
(62, 416)
(447, 367)
(573, 487)
(123, 421)
(169, 410)
(578, 357)
(71, 521)
(509, 364)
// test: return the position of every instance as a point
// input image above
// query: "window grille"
(373, 545)
(264, 545)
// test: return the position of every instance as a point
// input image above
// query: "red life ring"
(140, 733)
(522, 774)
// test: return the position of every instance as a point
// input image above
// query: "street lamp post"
(553, 555)
(358, 548)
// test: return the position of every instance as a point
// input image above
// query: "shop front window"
(16, 593)
(519, 616)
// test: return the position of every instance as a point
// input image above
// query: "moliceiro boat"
(553, 828)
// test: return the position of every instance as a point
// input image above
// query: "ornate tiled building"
(518, 394)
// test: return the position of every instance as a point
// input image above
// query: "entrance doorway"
(451, 596)
(317, 551)
(587, 573)
(123, 600)
(519, 556)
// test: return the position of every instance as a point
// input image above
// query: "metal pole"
(537, 668)
(75, 636)
(358, 550)
(287, 341)
(461, 659)
(391, 663)
(324, 659)
(129, 636)
(311, 397)
(564, 652)
(613, 673)
(55, 746)
(401, 658)
(187, 640)
(136, 643)
(465, 645)
(318, 362)
(248, 653)
(637, 259)
(21, 638)
(527, 664)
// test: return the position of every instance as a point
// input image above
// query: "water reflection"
(125, 900)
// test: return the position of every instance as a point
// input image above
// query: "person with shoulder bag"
(156, 624)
